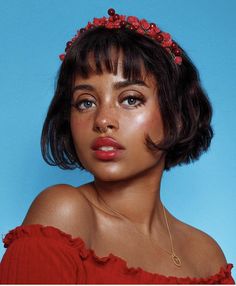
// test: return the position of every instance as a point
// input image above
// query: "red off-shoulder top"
(39, 254)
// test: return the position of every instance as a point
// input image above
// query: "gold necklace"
(175, 259)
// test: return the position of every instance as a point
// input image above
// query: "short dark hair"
(185, 109)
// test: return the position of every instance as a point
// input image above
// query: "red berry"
(177, 52)
(173, 45)
(159, 38)
(111, 12)
(68, 44)
(152, 25)
(62, 57)
(116, 17)
(178, 60)
(131, 27)
(122, 23)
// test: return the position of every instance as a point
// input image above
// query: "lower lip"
(108, 155)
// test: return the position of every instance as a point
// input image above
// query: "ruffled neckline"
(87, 253)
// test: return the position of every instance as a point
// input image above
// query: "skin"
(137, 169)
(129, 184)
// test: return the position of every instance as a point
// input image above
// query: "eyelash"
(139, 98)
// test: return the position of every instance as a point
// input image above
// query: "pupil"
(88, 103)
(131, 100)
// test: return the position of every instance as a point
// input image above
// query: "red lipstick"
(107, 148)
(106, 141)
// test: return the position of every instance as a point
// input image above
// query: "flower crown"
(115, 21)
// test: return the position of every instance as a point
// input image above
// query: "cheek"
(155, 127)
(78, 129)
(145, 123)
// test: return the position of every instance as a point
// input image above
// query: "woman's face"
(108, 105)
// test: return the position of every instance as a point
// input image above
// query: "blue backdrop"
(34, 33)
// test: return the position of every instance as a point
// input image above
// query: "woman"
(128, 105)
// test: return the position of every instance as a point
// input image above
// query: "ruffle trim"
(85, 253)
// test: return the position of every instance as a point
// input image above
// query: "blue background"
(34, 33)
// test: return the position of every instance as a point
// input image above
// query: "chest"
(138, 252)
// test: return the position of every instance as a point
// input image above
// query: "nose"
(105, 120)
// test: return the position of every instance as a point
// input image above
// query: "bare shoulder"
(62, 206)
(201, 249)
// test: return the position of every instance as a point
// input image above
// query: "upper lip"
(106, 141)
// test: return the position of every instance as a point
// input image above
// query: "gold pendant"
(176, 259)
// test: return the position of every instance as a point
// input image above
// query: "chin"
(119, 176)
(108, 176)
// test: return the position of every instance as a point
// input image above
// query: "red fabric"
(39, 254)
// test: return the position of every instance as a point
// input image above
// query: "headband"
(116, 21)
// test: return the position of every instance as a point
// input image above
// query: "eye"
(84, 104)
(132, 100)
(129, 101)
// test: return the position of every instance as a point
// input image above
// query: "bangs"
(107, 50)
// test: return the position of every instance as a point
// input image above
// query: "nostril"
(102, 125)
(101, 129)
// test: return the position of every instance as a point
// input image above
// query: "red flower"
(99, 21)
(151, 32)
(122, 17)
(109, 25)
(166, 36)
(166, 44)
(133, 21)
(141, 31)
(178, 60)
(145, 25)
(116, 24)
(136, 25)
(156, 29)
(89, 25)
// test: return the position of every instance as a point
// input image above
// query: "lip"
(108, 155)
(106, 141)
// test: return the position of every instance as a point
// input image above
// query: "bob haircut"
(185, 109)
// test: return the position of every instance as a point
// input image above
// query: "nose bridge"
(106, 115)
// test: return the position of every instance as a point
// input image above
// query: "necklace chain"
(175, 259)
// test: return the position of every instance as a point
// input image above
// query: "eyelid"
(132, 93)
(83, 96)
(80, 93)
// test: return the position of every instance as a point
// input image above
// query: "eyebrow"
(122, 84)
(117, 85)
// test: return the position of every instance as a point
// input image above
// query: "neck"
(136, 198)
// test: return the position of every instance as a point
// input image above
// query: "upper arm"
(61, 206)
